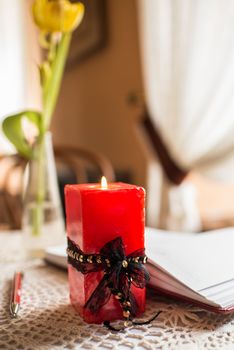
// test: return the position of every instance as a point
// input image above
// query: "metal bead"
(145, 260)
(81, 258)
(99, 260)
(126, 313)
(127, 303)
(108, 262)
(126, 323)
(124, 263)
(136, 260)
(118, 295)
(89, 259)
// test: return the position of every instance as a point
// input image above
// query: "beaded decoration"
(120, 271)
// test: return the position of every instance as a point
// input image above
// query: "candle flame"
(104, 182)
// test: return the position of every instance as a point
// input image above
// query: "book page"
(199, 260)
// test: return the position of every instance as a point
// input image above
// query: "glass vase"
(43, 223)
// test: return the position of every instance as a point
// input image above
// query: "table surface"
(47, 321)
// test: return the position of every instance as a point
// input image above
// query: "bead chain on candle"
(99, 260)
(134, 274)
(125, 303)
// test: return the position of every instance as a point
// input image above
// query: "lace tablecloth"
(47, 321)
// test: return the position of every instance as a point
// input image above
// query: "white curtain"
(18, 61)
(187, 51)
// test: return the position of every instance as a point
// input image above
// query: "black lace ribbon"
(120, 271)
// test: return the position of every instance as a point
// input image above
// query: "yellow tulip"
(57, 15)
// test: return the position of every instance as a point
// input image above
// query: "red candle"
(97, 214)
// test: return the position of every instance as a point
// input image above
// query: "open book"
(197, 267)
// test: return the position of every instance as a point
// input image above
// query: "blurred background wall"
(97, 109)
(93, 109)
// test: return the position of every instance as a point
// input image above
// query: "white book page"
(156, 281)
(199, 260)
(222, 299)
(160, 279)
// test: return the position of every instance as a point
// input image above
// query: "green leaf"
(12, 128)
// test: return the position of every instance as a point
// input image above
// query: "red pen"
(16, 294)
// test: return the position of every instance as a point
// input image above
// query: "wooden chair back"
(80, 161)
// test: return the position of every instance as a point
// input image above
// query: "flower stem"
(38, 212)
(52, 86)
(50, 95)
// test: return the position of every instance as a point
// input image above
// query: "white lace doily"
(47, 321)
